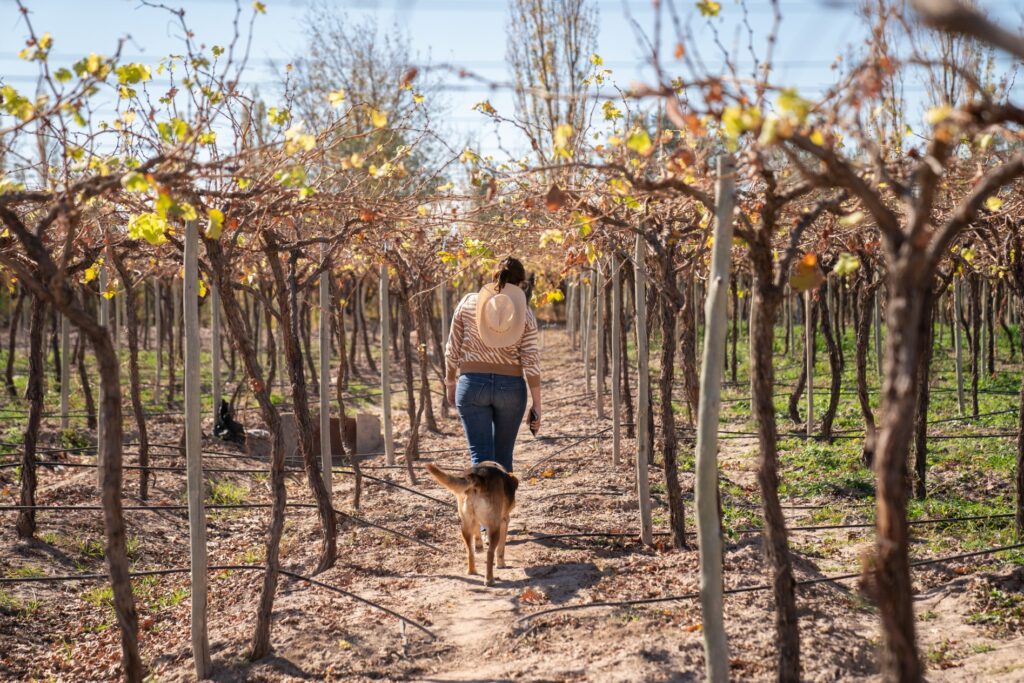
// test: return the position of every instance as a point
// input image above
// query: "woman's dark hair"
(510, 272)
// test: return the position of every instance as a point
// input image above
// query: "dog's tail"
(450, 482)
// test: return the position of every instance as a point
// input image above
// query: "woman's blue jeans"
(491, 408)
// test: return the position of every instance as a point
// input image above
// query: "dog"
(485, 495)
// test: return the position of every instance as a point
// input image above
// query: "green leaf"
(639, 141)
(134, 182)
(148, 226)
(847, 264)
(130, 74)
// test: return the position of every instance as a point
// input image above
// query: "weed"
(101, 596)
(74, 438)
(25, 573)
(92, 547)
(172, 599)
(225, 492)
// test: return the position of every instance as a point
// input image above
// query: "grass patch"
(225, 492)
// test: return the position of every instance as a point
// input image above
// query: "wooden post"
(158, 315)
(215, 339)
(65, 370)
(326, 447)
(958, 344)
(588, 333)
(193, 453)
(118, 323)
(878, 330)
(599, 327)
(789, 320)
(581, 323)
(445, 316)
(809, 360)
(709, 531)
(984, 331)
(385, 364)
(642, 406)
(616, 362)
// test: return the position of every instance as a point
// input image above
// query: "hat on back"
(501, 316)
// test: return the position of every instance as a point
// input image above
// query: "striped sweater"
(466, 352)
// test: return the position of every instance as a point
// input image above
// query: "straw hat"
(501, 316)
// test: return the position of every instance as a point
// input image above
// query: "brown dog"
(485, 494)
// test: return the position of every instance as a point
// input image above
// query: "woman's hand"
(535, 424)
(450, 388)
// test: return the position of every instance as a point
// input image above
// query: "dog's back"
(486, 494)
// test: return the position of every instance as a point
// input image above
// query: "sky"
(467, 33)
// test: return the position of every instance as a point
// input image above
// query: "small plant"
(92, 547)
(74, 439)
(101, 596)
(8, 603)
(25, 573)
(50, 538)
(225, 492)
(171, 599)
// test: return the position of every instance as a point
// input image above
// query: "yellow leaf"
(808, 275)
(993, 203)
(336, 97)
(213, 229)
(378, 118)
(817, 138)
(709, 8)
(202, 289)
(937, 115)
(260, 7)
(852, 219)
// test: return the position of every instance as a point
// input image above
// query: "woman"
(491, 348)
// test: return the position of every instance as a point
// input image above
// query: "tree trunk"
(765, 304)
(26, 522)
(306, 318)
(55, 344)
(923, 400)
(243, 340)
(688, 348)
(835, 364)
(412, 448)
(12, 338)
(627, 392)
(801, 381)
(422, 323)
(677, 511)
(132, 323)
(83, 377)
(990, 331)
(361, 301)
(862, 330)
(288, 306)
(909, 289)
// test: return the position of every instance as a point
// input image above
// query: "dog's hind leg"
(491, 547)
(467, 536)
(502, 537)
